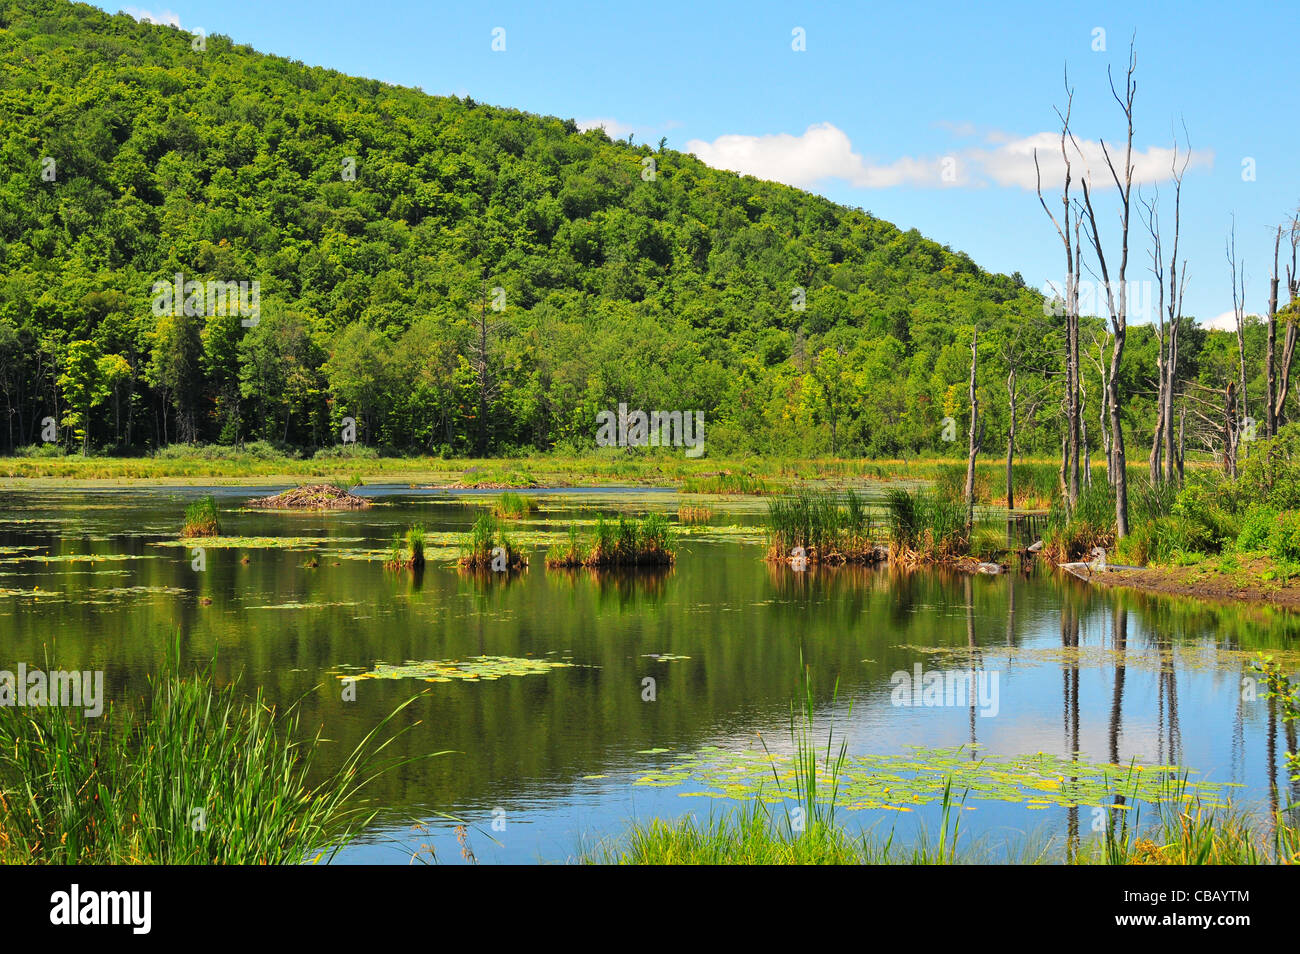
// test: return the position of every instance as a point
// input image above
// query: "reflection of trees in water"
(1277, 764)
(620, 587)
(1119, 643)
(1070, 708)
(976, 660)
(1169, 738)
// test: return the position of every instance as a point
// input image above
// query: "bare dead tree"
(1277, 389)
(486, 333)
(1021, 350)
(975, 437)
(1270, 372)
(1231, 430)
(1238, 400)
(1098, 342)
(1117, 292)
(1070, 464)
(1169, 315)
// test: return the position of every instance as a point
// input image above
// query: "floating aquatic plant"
(900, 782)
(473, 668)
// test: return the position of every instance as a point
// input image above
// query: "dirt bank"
(1244, 583)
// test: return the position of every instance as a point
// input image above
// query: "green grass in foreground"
(749, 836)
(201, 775)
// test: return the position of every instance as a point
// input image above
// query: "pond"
(618, 696)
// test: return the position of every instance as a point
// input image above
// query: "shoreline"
(1204, 582)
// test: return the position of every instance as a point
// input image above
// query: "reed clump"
(488, 548)
(925, 527)
(689, 514)
(1072, 535)
(201, 519)
(513, 506)
(198, 774)
(815, 526)
(621, 543)
(407, 552)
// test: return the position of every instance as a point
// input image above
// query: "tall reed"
(488, 547)
(200, 774)
(925, 526)
(620, 542)
(815, 521)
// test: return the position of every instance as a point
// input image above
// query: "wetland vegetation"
(419, 392)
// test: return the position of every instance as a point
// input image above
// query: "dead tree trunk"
(1011, 436)
(1283, 367)
(1117, 294)
(1070, 301)
(1169, 313)
(1239, 314)
(974, 434)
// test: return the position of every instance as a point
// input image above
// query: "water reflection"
(1089, 675)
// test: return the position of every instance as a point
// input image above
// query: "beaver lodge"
(313, 497)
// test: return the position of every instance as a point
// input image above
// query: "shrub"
(346, 452)
(1284, 536)
(1207, 526)
(1256, 527)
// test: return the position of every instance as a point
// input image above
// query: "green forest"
(458, 278)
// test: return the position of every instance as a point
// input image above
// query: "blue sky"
(882, 102)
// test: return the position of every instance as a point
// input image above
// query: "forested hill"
(392, 233)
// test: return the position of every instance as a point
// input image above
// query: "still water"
(658, 666)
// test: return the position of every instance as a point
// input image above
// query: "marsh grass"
(688, 514)
(198, 774)
(924, 527)
(1073, 535)
(829, 532)
(513, 506)
(623, 542)
(407, 550)
(489, 548)
(1185, 831)
(201, 519)
(726, 483)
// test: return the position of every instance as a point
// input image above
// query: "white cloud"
(164, 18)
(1012, 162)
(1224, 322)
(824, 152)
